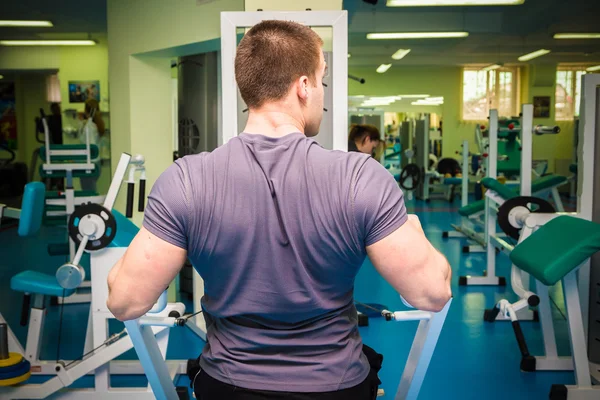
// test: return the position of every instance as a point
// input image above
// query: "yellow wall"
(447, 82)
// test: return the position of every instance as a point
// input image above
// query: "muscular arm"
(146, 269)
(414, 268)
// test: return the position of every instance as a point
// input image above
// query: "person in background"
(93, 127)
(56, 138)
(364, 138)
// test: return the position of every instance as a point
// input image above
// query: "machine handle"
(142, 195)
(546, 130)
(129, 207)
(490, 315)
(25, 309)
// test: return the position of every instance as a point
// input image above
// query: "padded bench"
(539, 185)
(557, 248)
(34, 282)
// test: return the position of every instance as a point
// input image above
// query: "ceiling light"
(47, 43)
(424, 3)
(416, 35)
(594, 68)
(531, 56)
(413, 96)
(577, 36)
(492, 67)
(30, 24)
(400, 54)
(383, 67)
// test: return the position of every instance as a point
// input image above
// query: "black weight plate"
(110, 225)
(410, 171)
(542, 206)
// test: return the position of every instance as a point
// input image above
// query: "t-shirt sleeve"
(166, 214)
(378, 205)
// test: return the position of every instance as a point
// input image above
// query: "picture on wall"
(8, 116)
(80, 91)
(541, 107)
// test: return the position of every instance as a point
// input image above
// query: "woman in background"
(93, 127)
(364, 138)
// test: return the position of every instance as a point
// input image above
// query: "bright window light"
(47, 43)
(425, 3)
(416, 35)
(29, 24)
(577, 36)
(400, 54)
(593, 69)
(383, 67)
(535, 54)
(413, 96)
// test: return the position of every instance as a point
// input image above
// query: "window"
(568, 96)
(486, 90)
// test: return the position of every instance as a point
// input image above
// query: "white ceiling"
(497, 34)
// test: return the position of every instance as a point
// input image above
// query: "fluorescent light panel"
(535, 54)
(416, 35)
(383, 68)
(28, 24)
(400, 54)
(577, 36)
(47, 43)
(594, 68)
(426, 3)
(491, 67)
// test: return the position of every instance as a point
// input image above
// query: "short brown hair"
(358, 132)
(271, 56)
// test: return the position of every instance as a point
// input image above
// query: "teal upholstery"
(39, 283)
(32, 208)
(544, 183)
(126, 231)
(452, 181)
(557, 248)
(502, 190)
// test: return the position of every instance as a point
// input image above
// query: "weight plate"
(13, 359)
(86, 211)
(12, 367)
(533, 204)
(410, 171)
(21, 369)
(15, 381)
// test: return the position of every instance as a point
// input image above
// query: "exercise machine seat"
(452, 181)
(70, 158)
(32, 208)
(126, 230)
(39, 283)
(502, 190)
(547, 182)
(557, 248)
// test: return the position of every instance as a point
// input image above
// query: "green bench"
(541, 184)
(557, 248)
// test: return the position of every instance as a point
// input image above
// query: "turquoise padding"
(32, 208)
(126, 231)
(37, 282)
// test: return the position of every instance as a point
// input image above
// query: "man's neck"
(273, 123)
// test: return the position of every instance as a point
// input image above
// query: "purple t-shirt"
(277, 228)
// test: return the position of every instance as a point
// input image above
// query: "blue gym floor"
(473, 359)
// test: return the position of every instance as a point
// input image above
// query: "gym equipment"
(100, 348)
(13, 368)
(410, 177)
(423, 346)
(551, 248)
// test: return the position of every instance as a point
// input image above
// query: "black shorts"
(208, 388)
